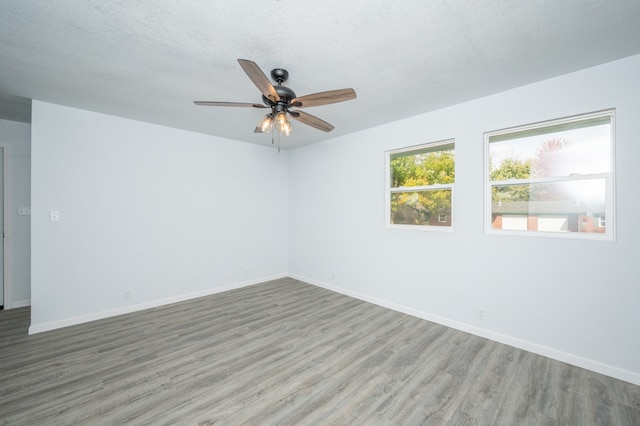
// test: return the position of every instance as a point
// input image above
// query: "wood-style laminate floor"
(289, 353)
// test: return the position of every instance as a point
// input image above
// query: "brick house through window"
(548, 216)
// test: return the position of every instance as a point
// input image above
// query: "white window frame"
(608, 235)
(432, 146)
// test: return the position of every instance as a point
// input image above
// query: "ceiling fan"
(279, 99)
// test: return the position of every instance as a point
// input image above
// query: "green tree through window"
(421, 181)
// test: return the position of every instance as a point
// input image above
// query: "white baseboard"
(52, 325)
(596, 366)
(20, 303)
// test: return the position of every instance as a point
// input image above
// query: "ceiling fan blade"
(259, 79)
(324, 98)
(311, 120)
(228, 104)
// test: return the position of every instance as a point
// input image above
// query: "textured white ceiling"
(149, 59)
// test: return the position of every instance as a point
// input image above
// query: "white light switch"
(54, 216)
(24, 211)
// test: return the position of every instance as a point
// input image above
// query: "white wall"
(165, 213)
(573, 300)
(16, 139)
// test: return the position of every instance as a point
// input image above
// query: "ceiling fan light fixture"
(282, 123)
(266, 124)
(287, 129)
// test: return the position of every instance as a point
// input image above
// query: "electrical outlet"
(481, 314)
(333, 276)
(127, 294)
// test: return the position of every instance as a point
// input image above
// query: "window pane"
(570, 206)
(420, 183)
(422, 168)
(582, 147)
(421, 208)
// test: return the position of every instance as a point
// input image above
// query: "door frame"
(5, 225)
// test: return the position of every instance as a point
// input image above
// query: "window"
(420, 186)
(554, 178)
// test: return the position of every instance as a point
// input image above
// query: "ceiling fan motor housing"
(286, 94)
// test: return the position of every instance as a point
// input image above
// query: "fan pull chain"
(273, 139)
